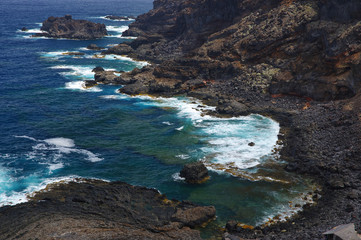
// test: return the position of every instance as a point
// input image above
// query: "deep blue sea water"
(52, 129)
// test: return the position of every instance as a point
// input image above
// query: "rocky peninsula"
(93, 209)
(67, 27)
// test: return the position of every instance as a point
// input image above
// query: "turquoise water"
(52, 129)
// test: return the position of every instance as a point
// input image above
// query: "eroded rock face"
(305, 48)
(67, 27)
(99, 210)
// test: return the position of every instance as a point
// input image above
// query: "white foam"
(80, 86)
(82, 72)
(286, 211)
(13, 197)
(55, 166)
(168, 123)
(118, 29)
(176, 177)
(66, 145)
(42, 37)
(227, 138)
(26, 137)
(59, 54)
(124, 58)
(90, 156)
(183, 156)
(60, 146)
(180, 128)
(32, 31)
(187, 108)
(116, 20)
(61, 142)
(123, 97)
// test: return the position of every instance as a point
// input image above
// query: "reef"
(67, 27)
(296, 61)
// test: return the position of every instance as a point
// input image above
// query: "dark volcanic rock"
(194, 172)
(24, 29)
(98, 69)
(74, 53)
(106, 77)
(306, 48)
(109, 77)
(90, 83)
(94, 47)
(66, 27)
(99, 210)
(120, 49)
(119, 18)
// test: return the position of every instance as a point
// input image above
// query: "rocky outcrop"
(94, 47)
(67, 27)
(92, 209)
(194, 172)
(304, 48)
(110, 77)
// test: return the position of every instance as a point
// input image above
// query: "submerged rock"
(194, 172)
(94, 209)
(74, 53)
(119, 18)
(94, 47)
(67, 27)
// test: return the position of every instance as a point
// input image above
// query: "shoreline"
(290, 75)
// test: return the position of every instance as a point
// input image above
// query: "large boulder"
(67, 27)
(194, 172)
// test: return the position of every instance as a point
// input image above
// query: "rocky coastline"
(298, 62)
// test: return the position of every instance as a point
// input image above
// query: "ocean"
(52, 129)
